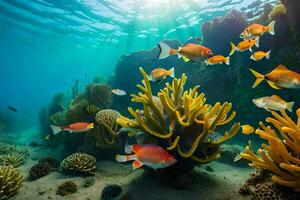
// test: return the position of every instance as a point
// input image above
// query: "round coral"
(79, 163)
(10, 181)
(13, 159)
(66, 188)
(108, 118)
(54, 163)
(39, 170)
(111, 192)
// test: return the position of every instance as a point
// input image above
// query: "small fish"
(244, 45)
(188, 51)
(218, 59)
(256, 30)
(247, 129)
(273, 102)
(12, 108)
(150, 155)
(119, 92)
(280, 77)
(237, 157)
(258, 55)
(77, 127)
(159, 74)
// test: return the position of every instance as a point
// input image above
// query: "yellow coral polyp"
(281, 155)
(179, 115)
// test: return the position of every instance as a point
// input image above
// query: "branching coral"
(13, 159)
(79, 163)
(281, 155)
(182, 118)
(108, 127)
(10, 181)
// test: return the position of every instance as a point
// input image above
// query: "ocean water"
(56, 54)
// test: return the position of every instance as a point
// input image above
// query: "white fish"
(118, 92)
(237, 157)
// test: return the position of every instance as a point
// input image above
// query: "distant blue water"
(46, 44)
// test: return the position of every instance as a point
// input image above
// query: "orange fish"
(280, 77)
(256, 30)
(189, 51)
(150, 155)
(258, 55)
(244, 45)
(218, 59)
(160, 74)
(77, 127)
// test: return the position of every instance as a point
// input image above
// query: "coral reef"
(281, 155)
(77, 112)
(39, 170)
(111, 192)
(81, 163)
(54, 163)
(13, 159)
(8, 148)
(10, 181)
(277, 10)
(182, 119)
(99, 95)
(106, 131)
(66, 188)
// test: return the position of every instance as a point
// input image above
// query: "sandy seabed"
(222, 183)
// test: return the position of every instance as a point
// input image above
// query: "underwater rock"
(89, 181)
(39, 170)
(66, 188)
(229, 152)
(81, 163)
(54, 163)
(13, 159)
(110, 192)
(10, 181)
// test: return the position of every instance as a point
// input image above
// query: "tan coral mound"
(13, 159)
(181, 118)
(10, 181)
(79, 163)
(278, 10)
(281, 155)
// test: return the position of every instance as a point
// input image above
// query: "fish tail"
(259, 78)
(233, 49)
(290, 106)
(164, 50)
(125, 158)
(227, 60)
(257, 42)
(268, 54)
(56, 129)
(171, 72)
(271, 27)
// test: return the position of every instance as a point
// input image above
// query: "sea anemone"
(66, 188)
(13, 159)
(79, 163)
(10, 181)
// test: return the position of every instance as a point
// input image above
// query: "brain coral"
(10, 181)
(13, 159)
(79, 163)
(39, 170)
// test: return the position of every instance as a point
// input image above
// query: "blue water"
(47, 44)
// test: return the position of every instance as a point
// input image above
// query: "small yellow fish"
(273, 102)
(244, 45)
(258, 55)
(159, 74)
(247, 129)
(256, 30)
(218, 59)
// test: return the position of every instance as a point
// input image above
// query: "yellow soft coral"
(281, 155)
(181, 118)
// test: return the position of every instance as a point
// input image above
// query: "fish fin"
(250, 49)
(56, 129)
(281, 67)
(252, 57)
(91, 125)
(135, 148)
(185, 59)
(227, 60)
(136, 164)
(164, 50)
(233, 49)
(267, 109)
(125, 158)
(257, 42)
(273, 85)
(189, 45)
(277, 97)
(268, 54)
(237, 157)
(289, 106)
(271, 27)
(171, 72)
(206, 62)
(259, 78)
(179, 55)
